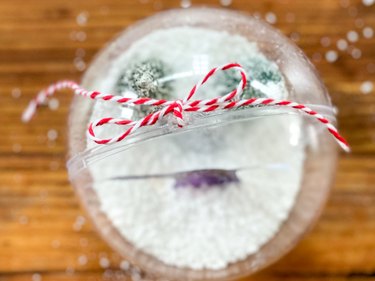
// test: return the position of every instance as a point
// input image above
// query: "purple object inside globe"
(202, 178)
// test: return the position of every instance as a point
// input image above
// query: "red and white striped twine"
(174, 107)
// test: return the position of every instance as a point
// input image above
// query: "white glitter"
(207, 227)
(352, 36)
(331, 56)
(368, 32)
(367, 87)
(271, 18)
(342, 44)
(368, 2)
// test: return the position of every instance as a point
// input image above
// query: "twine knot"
(178, 112)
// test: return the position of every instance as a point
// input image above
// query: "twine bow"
(176, 108)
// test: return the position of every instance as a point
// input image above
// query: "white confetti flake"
(367, 87)
(79, 64)
(368, 32)
(36, 277)
(331, 56)
(295, 36)
(352, 36)
(52, 135)
(368, 2)
(316, 57)
(356, 53)
(80, 52)
(104, 262)
(226, 3)
(271, 18)
(16, 93)
(53, 104)
(125, 265)
(78, 223)
(342, 44)
(81, 36)
(325, 41)
(16, 147)
(185, 3)
(82, 260)
(359, 23)
(82, 18)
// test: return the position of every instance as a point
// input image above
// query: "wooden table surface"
(44, 235)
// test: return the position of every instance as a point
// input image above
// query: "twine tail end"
(29, 112)
(345, 147)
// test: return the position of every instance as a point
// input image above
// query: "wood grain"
(43, 232)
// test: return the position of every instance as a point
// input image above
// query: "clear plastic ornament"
(137, 191)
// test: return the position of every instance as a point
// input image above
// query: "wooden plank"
(45, 235)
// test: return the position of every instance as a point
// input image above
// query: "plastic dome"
(230, 192)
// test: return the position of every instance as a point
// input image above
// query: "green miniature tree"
(144, 79)
(257, 69)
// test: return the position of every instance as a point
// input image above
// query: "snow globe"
(232, 190)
